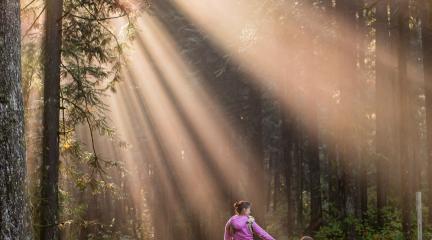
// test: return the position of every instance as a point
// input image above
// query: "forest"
(149, 119)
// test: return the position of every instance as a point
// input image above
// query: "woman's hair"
(306, 238)
(240, 205)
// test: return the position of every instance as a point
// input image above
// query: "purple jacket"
(237, 229)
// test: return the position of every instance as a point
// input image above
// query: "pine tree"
(12, 146)
(49, 205)
(427, 66)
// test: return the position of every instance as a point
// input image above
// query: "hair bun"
(240, 205)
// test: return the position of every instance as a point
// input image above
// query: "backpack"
(250, 222)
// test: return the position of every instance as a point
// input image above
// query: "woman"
(242, 226)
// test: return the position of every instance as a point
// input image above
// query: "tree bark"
(314, 167)
(347, 82)
(277, 185)
(362, 175)
(383, 106)
(257, 160)
(312, 132)
(333, 175)
(49, 207)
(405, 120)
(12, 143)
(287, 147)
(299, 159)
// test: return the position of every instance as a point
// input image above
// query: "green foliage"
(336, 228)
(427, 233)
(332, 230)
(276, 220)
(92, 58)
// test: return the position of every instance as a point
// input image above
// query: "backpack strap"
(250, 222)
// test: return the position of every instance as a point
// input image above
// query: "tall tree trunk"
(427, 67)
(288, 154)
(348, 59)
(257, 166)
(362, 175)
(277, 184)
(299, 159)
(413, 56)
(405, 119)
(311, 119)
(333, 175)
(12, 143)
(333, 156)
(287, 140)
(269, 181)
(314, 166)
(289, 197)
(383, 106)
(49, 208)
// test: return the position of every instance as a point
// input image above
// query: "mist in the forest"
(315, 111)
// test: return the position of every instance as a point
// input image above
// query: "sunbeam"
(181, 119)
